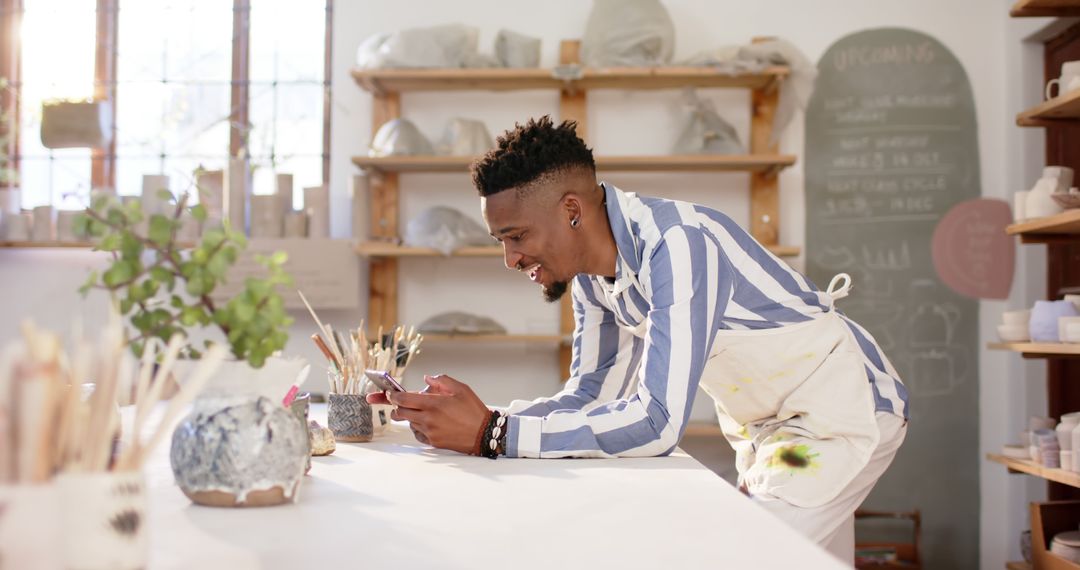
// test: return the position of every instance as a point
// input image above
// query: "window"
(192, 83)
(53, 70)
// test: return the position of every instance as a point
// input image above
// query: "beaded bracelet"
(494, 435)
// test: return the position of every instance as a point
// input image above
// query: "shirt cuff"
(523, 436)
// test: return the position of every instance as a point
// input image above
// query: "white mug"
(1062, 174)
(1020, 206)
(1069, 79)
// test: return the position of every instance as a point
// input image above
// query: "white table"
(394, 503)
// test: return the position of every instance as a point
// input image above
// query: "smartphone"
(384, 380)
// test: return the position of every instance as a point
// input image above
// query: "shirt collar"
(627, 263)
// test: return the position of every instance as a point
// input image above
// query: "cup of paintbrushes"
(103, 521)
(348, 415)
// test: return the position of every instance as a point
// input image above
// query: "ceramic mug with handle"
(1069, 79)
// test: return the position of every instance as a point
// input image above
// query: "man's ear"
(571, 206)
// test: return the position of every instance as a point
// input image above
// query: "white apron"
(796, 404)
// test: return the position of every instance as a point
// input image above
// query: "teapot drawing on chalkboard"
(935, 371)
(931, 324)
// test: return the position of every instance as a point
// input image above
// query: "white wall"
(978, 32)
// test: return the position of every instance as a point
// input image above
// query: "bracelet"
(478, 446)
(494, 435)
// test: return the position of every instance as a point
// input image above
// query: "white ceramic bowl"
(1014, 333)
(1016, 317)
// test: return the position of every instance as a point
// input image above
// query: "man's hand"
(447, 414)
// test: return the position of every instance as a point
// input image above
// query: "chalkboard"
(891, 146)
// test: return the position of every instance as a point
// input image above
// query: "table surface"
(395, 503)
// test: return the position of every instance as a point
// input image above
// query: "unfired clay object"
(322, 439)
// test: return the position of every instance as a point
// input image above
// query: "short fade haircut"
(529, 152)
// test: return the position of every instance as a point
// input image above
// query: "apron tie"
(837, 291)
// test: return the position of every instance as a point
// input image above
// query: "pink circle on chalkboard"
(972, 254)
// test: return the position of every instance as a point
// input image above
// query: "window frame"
(103, 161)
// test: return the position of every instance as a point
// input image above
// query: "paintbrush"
(325, 330)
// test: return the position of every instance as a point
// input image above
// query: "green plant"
(163, 287)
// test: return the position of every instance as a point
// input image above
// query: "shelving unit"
(387, 249)
(1062, 227)
(768, 165)
(573, 82)
(1038, 349)
(1045, 8)
(568, 77)
(494, 338)
(1028, 466)
(1061, 236)
(1062, 108)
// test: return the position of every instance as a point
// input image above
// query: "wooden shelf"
(492, 338)
(385, 249)
(767, 164)
(1031, 468)
(1063, 226)
(1038, 349)
(1017, 566)
(1053, 112)
(45, 244)
(1045, 8)
(383, 81)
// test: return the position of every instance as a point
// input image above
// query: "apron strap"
(837, 291)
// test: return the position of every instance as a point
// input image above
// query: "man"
(668, 296)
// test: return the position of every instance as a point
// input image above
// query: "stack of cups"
(1049, 450)
(1036, 424)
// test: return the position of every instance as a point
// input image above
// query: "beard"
(555, 292)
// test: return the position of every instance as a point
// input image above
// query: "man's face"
(536, 236)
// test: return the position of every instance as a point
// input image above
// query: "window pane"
(287, 92)
(173, 90)
(287, 40)
(54, 71)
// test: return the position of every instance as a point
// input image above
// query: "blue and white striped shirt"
(639, 352)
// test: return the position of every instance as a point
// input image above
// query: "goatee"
(555, 292)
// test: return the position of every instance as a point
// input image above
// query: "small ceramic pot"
(1021, 317)
(103, 520)
(349, 417)
(241, 453)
